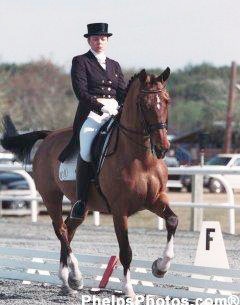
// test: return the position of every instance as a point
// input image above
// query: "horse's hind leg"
(125, 255)
(53, 202)
(162, 209)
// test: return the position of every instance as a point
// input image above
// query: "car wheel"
(215, 186)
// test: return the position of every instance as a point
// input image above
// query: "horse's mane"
(135, 76)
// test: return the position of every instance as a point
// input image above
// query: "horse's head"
(152, 102)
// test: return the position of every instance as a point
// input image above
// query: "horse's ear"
(163, 77)
(142, 76)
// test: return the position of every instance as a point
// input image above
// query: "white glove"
(109, 110)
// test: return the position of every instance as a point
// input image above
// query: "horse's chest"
(138, 183)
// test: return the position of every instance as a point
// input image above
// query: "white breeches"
(91, 127)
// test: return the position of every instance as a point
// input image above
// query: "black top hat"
(97, 29)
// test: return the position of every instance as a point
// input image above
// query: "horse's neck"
(133, 142)
(130, 116)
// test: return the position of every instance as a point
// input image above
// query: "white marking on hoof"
(63, 275)
(163, 264)
(127, 286)
(75, 279)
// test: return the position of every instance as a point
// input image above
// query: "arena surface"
(146, 244)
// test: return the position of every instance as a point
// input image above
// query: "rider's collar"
(100, 56)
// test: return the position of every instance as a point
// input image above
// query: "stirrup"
(78, 209)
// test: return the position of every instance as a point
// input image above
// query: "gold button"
(109, 89)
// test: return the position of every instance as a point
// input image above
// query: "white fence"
(197, 205)
(31, 265)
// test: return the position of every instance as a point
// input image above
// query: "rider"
(98, 84)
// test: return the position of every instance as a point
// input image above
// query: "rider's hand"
(109, 110)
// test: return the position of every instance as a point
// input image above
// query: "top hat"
(97, 29)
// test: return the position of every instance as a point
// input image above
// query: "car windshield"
(217, 160)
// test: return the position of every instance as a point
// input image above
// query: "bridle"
(148, 128)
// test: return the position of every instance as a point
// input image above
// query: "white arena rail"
(197, 205)
(34, 197)
(30, 265)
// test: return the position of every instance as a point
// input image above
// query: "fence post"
(160, 223)
(197, 197)
(96, 218)
(230, 200)
(32, 187)
(0, 208)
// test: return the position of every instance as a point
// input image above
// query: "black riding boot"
(83, 178)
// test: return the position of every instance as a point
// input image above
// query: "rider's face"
(98, 43)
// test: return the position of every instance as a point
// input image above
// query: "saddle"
(99, 150)
(100, 145)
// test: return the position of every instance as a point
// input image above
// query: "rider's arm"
(80, 87)
(121, 86)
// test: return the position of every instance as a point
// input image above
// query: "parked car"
(18, 203)
(174, 181)
(13, 184)
(7, 177)
(213, 184)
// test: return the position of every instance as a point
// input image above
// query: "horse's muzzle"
(159, 152)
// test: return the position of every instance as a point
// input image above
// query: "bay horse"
(132, 179)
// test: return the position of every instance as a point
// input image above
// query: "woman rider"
(98, 84)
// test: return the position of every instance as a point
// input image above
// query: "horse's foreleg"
(125, 254)
(75, 279)
(162, 209)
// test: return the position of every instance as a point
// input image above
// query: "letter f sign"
(208, 237)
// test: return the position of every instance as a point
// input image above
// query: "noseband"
(148, 128)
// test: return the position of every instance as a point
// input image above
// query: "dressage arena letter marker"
(211, 253)
(208, 238)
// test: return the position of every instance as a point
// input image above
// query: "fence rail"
(42, 266)
(197, 205)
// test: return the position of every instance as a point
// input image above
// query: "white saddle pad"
(67, 169)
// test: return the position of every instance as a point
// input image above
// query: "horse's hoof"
(134, 300)
(75, 283)
(67, 291)
(129, 292)
(156, 272)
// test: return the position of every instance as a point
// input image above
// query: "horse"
(132, 179)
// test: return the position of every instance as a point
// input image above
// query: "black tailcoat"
(91, 81)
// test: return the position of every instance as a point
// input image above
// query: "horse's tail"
(19, 144)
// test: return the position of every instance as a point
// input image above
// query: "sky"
(146, 34)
